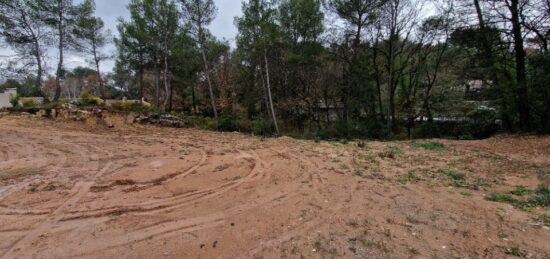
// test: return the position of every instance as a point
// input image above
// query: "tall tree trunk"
(38, 82)
(268, 85)
(210, 89)
(170, 94)
(377, 78)
(193, 99)
(266, 98)
(141, 82)
(521, 74)
(59, 71)
(98, 72)
(157, 83)
(391, 88)
(166, 85)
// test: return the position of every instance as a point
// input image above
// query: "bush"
(132, 107)
(482, 123)
(541, 197)
(202, 122)
(228, 122)
(29, 103)
(262, 127)
(538, 67)
(14, 100)
(88, 99)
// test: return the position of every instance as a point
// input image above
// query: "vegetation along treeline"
(313, 68)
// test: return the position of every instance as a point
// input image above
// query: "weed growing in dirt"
(501, 197)
(543, 171)
(544, 219)
(520, 191)
(429, 145)
(457, 176)
(538, 198)
(516, 251)
(409, 177)
(541, 197)
(391, 151)
(467, 194)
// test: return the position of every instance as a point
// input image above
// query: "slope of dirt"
(75, 190)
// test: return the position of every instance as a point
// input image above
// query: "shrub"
(132, 106)
(228, 122)
(541, 197)
(14, 100)
(482, 123)
(202, 122)
(29, 103)
(262, 127)
(391, 151)
(88, 99)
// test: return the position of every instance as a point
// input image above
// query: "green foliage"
(516, 251)
(132, 107)
(87, 99)
(391, 151)
(29, 103)
(539, 198)
(429, 145)
(520, 191)
(482, 123)
(202, 122)
(14, 100)
(409, 177)
(501, 197)
(457, 176)
(538, 68)
(228, 122)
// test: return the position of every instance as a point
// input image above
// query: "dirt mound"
(73, 189)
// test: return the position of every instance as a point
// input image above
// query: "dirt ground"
(69, 190)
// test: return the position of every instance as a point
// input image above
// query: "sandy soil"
(73, 190)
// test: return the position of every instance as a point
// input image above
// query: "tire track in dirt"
(311, 224)
(79, 190)
(164, 229)
(76, 193)
(201, 222)
(172, 202)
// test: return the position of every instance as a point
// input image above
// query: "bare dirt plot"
(71, 190)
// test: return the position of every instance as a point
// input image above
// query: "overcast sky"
(111, 10)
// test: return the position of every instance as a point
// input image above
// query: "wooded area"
(310, 68)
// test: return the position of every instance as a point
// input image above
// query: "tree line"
(315, 68)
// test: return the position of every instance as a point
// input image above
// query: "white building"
(6, 96)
